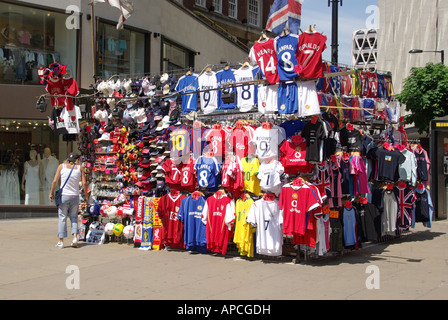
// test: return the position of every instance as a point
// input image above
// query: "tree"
(425, 95)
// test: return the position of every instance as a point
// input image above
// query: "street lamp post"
(442, 53)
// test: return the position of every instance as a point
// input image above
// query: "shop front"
(32, 37)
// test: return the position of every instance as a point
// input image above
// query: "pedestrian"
(70, 196)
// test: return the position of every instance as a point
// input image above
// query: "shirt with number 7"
(309, 55)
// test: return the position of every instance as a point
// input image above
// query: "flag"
(285, 14)
(125, 6)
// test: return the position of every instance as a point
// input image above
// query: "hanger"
(311, 29)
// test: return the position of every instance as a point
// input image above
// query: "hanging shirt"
(226, 77)
(188, 176)
(408, 169)
(208, 173)
(423, 163)
(267, 218)
(294, 203)
(173, 229)
(188, 86)
(293, 157)
(390, 212)
(218, 215)
(313, 133)
(387, 163)
(190, 214)
(71, 119)
(239, 140)
(172, 174)
(246, 94)
(311, 46)
(406, 198)
(179, 140)
(250, 173)
(208, 84)
(263, 54)
(267, 142)
(243, 235)
(270, 177)
(286, 49)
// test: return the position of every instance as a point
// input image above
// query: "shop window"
(30, 39)
(176, 57)
(120, 52)
(29, 156)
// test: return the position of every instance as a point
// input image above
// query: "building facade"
(240, 20)
(422, 25)
(364, 50)
(160, 36)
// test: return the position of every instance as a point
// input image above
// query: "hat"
(140, 116)
(165, 123)
(73, 157)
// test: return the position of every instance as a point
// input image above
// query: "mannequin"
(47, 171)
(30, 180)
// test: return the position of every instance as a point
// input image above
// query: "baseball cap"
(73, 157)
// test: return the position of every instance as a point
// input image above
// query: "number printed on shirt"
(270, 67)
(245, 93)
(203, 182)
(185, 178)
(309, 55)
(264, 147)
(288, 64)
(178, 142)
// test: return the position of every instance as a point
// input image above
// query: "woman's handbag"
(58, 193)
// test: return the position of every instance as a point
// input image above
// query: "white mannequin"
(48, 166)
(31, 181)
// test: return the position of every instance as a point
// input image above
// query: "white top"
(72, 186)
(268, 219)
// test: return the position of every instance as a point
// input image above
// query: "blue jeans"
(68, 208)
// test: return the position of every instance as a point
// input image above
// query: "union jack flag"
(406, 200)
(285, 14)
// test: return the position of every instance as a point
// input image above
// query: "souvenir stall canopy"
(281, 154)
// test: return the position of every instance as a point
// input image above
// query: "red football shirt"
(188, 177)
(216, 141)
(218, 214)
(263, 54)
(173, 228)
(172, 174)
(309, 54)
(295, 202)
(373, 85)
(293, 157)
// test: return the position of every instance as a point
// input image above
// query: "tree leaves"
(425, 95)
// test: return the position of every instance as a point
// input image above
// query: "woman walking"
(71, 174)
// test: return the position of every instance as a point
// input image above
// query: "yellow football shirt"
(244, 232)
(250, 171)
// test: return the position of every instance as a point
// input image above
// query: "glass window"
(176, 57)
(233, 9)
(120, 52)
(218, 5)
(200, 3)
(29, 152)
(254, 11)
(30, 39)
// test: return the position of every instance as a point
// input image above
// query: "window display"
(31, 38)
(28, 160)
(121, 51)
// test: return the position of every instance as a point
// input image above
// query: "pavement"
(413, 267)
